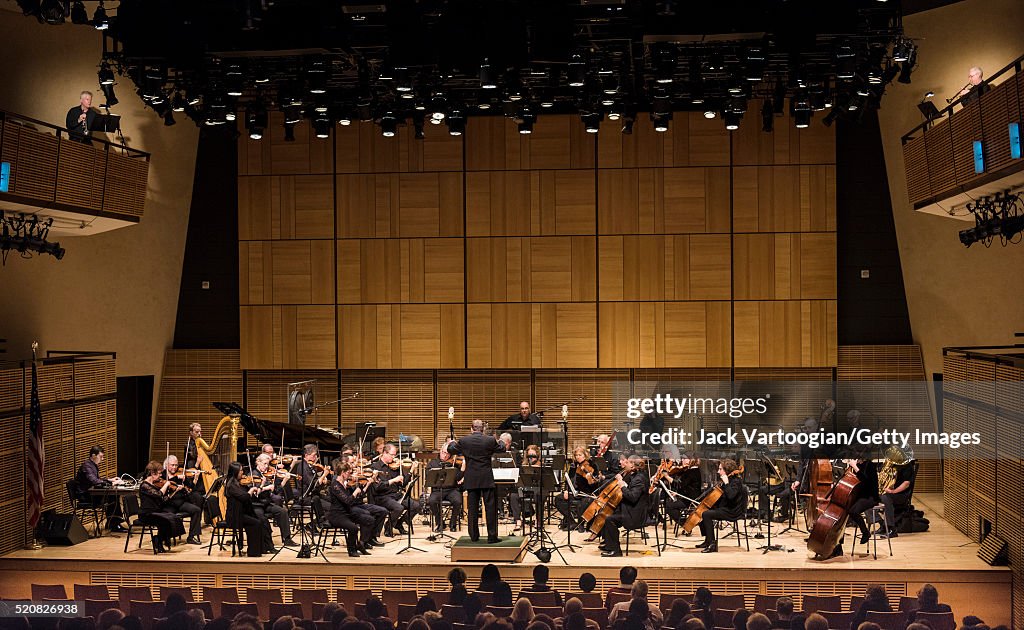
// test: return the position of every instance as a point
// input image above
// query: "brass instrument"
(895, 457)
(227, 427)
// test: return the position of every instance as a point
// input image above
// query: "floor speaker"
(64, 529)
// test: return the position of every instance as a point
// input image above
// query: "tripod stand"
(540, 539)
(407, 497)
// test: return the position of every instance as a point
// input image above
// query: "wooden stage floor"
(942, 556)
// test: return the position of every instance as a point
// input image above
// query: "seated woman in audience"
(928, 601)
(424, 604)
(679, 613)
(875, 600)
(522, 614)
(739, 619)
(702, 600)
(491, 582)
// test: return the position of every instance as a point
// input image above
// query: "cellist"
(730, 506)
(632, 511)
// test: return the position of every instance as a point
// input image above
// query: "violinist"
(585, 480)
(632, 511)
(387, 491)
(730, 506)
(269, 502)
(345, 494)
(452, 494)
(359, 468)
(684, 481)
(604, 452)
(241, 494)
(184, 500)
(310, 481)
(153, 508)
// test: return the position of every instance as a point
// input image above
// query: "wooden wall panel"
(372, 271)
(285, 207)
(590, 417)
(546, 269)
(784, 198)
(557, 142)
(665, 334)
(564, 335)
(399, 206)
(524, 203)
(499, 335)
(785, 266)
(489, 395)
(360, 148)
(402, 336)
(663, 201)
(532, 335)
(785, 333)
(286, 272)
(689, 141)
(400, 400)
(287, 337)
(273, 155)
(786, 145)
(266, 395)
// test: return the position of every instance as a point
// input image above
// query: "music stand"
(928, 110)
(106, 123)
(789, 469)
(442, 479)
(540, 535)
(407, 497)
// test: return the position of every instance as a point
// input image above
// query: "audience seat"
(204, 606)
(838, 619)
(392, 599)
(727, 602)
(280, 609)
(126, 594)
(48, 591)
(184, 591)
(814, 603)
(440, 597)
(307, 597)
(540, 599)
(888, 620)
(93, 607)
(230, 609)
(600, 615)
(349, 597)
(666, 599)
(91, 591)
(589, 600)
(262, 597)
(937, 620)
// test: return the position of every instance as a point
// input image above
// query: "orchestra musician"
(452, 493)
(358, 524)
(604, 452)
(478, 448)
(867, 474)
(686, 483)
(195, 432)
(387, 491)
(185, 500)
(632, 511)
(310, 473)
(585, 479)
(88, 476)
(509, 491)
(362, 504)
(241, 495)
(377, 446)
(899, 494)
(269, 501)
(730, 506)
(154, 510)
(522, 419)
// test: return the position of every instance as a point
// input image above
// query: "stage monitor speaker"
(993, 550)
(64, 529)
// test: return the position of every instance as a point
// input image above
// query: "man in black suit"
(88, 476)
(388, 491)
(80, 118)
(522, 419)
(479, 478)
(632, 511)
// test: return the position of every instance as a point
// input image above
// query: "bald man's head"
(478, 426)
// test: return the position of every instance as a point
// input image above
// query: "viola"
(666, 468)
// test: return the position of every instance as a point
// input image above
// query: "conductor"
(522, 419)
(479, 480)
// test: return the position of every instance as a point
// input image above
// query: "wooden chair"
(838, 619)
(499, 611)
(551, 611)
(280, 609)
(230, 609)
(406, 612)
(723, 617)
(855, 602)
(599, 615)
(184, 591)
(937, 620)
(454, 614)
(615, 598)
(349, 597)
(665, 600)
(486, 598)
(217, 595)
(91, 591)
(540, 599)
(93, 607)
(764, 602)
(48, 591)
(262, 597)
(393, 598)
(206, 607)
(589, 600)
(889, 620)
(145, 609)
(318, 611)
(440, 597)
(128, 594)
(908, 603)
(359, 610)
(814, 603)
(307, 597)
(323, 625)
(727, 602)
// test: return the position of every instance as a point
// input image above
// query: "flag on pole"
(36, 454)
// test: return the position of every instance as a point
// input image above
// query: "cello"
(829, 526)
(605, 503)
(707, 501)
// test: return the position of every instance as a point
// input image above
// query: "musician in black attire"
(566, 503)
(479, 478)
(269, 501)
(362, 504)
(80, 118)
(452, 493)
(358, 524)
(632, 511)
(730, 505)
(153, 508)
(509, 491)
(388, 490)
(195, 432)
(605, 453)
(867, 490)
(183, 500)
(686, 484)
(242, 513)
(899, 495)
(308, 475)
(88, 476)
(522, 419)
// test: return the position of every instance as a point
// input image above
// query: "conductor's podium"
(509, 549)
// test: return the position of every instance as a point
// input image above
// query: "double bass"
(819, 485)
(828, 528)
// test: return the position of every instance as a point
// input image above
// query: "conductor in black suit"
(479, 478)
(522, 419)
(80, 119)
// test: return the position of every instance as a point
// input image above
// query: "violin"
(586, 470)
(395, 464)
(666, 468)
(285, 460)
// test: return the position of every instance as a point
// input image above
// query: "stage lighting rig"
(26, 234)
(1001, 215)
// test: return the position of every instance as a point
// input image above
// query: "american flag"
(36, 454)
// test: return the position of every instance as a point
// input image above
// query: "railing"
(940, 153)
(50, 170)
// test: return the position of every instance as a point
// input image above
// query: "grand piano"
(270, 432)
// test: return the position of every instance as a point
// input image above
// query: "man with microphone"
(80, 119)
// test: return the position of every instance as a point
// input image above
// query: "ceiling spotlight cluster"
(26, 234)
(999, 216)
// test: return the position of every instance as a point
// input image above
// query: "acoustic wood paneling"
(402, 336)
(966, 128)
(557, 142)
(360, 148)
(524, 203)
(785, 333)
(941, 170)
(665, 334)
(489, 395)
(499, 335)
(34, 167)
(266, 395)
(784, 198)
(663, 201)
(691, 140)
(915, 164)
(285, 207)
(531, 335)
(402, 401)
(80, 170)
(785, 145)
(399, 206)
(286, 272)
(655, 268)
(784, 266)
(598, 413)
(125, 185)
(287, 337)
(545, 269)
(374, 271)
(273, 155)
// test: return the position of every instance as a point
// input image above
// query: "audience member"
(702, 600)
(482, 619)
(739, 618)
(544, 619)
(109, 617)
(377, 614)
(758, 621)
(241, 621)
(417, 623)
(540, 583)
(798, 622)
(694, 623)
(576, 621)
(627, 575)
(458, 595)
(928, 601)
(538, 625)
(491, 582)
(284, 622)
(132, 622)
(456, 576)
(638, 591)
(338, 617)
(679, 612)
(220, 623)
(175, 603)
(424, 604)
(816, 622)
(918, 626)
(784, 611)
(869, 625)
(522, 614)
(440, 624)
(875, 600)
(327, 614)
(473, 605)
(572, 606)
(587, 583)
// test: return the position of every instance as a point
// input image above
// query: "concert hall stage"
(941, 556)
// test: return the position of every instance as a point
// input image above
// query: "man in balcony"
(80, 119)
(974, 88)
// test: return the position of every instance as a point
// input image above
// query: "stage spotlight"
(292, 115)
(418, 119)
(255, 121)
(388, 125)
(345, 119)
(109, 96)
(51, 11)
(289, 132)
(78, 13)
(483, 103)
(402, 81)
(767, 116)
(456, 123)
(105, 74)
(802, 118)
(487, 76)
(322, 127)
(661, 121)
(577, 70)
(526, 126)
(907, 68)
(591, 122)
(169, 119)
(627, 124)
(177, 102)
(709, 114)
(664, 63)
(732, 120)
(830, 117)
(615, 111)
(99, 18)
